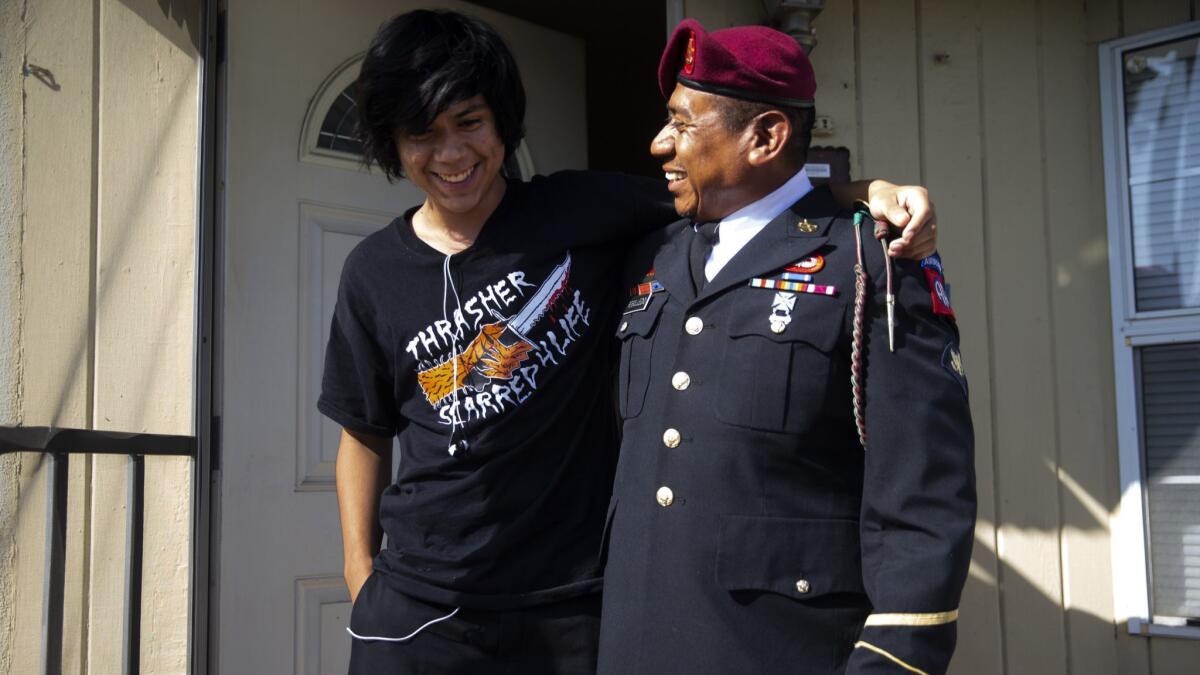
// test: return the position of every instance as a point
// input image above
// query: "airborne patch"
(939, 290)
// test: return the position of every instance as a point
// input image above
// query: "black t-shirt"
(506, 354)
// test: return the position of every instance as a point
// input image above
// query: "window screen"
(1170, 384)
(1162, 109)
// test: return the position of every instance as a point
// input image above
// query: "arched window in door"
(329, 126)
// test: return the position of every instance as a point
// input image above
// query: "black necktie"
(702, 243)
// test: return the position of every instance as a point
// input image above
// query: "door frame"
(202, 614)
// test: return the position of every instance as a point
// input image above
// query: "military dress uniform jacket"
(749, 531)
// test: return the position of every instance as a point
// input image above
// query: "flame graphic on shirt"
(486, 356)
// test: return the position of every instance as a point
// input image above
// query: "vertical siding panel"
(1145, 15)
(56, 256)
(1103, 22)
(888, 91)
(58, 215)
(833, 62)
(1174, 656)
(144, 291)
(1080, 305)
(1023, 396)
(953, 164)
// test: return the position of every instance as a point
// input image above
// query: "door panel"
(280, 603)
(327, 235)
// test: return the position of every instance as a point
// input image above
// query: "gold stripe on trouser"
(927, 619)
(887, 655)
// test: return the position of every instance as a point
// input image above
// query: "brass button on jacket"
(665, 496)
(681, 380)
(671, 438)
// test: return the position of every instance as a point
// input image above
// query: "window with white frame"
(1150, 93)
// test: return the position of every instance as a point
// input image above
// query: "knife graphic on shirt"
(499, 348)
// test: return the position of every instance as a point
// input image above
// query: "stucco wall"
(97, 230)
(12, 49)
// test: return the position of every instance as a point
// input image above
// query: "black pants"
(559, 638)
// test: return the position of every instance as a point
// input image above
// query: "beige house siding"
(995, 106)
(97, 232)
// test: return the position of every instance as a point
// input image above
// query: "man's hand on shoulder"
(907, 207)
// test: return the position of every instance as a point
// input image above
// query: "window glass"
(1162, 108)
(338, 127)
(1170, 383)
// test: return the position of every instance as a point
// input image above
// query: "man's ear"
(770, 133)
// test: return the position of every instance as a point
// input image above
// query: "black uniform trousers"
(551, 639)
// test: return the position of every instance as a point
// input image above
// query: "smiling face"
(704, 162)
(456, 162)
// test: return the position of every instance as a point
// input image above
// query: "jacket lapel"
(671, 263)
(780, 243)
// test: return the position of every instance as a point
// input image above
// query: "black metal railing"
(60, 445)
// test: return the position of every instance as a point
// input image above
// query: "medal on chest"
(781, 311)
(792, 280)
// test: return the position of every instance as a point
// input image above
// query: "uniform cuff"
(905, 643)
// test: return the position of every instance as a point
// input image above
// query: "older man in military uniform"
(795, 491)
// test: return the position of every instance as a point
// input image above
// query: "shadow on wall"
(1025, 600)
(185, 15)
(132, 221)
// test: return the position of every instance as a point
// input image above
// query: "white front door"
(293, 210)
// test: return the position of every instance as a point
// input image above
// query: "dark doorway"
(622, 43)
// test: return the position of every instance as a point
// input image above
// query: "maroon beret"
(755, 63)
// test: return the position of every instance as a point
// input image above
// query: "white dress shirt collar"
(739, 227)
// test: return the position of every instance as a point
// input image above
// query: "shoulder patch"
(952, 362)
(939, 290)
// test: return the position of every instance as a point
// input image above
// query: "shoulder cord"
(857, 347)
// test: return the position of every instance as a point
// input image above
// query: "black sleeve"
(357, 386)
(918, 509)
(585, 208)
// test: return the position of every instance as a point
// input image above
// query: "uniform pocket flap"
(641, 321)
(797, 557)
(814, 319)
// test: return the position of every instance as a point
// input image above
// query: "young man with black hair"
(477, 329)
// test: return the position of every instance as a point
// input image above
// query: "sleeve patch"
(952, 362)
(939, 290)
